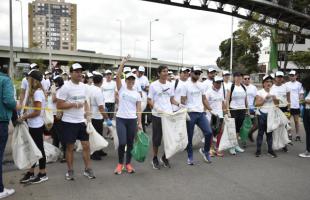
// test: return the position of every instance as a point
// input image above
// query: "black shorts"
(72, 132)
(284, 109)
(295, 111)
(157, 131)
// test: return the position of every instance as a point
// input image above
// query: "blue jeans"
(262, 129)
(202, 122)
(4, 128)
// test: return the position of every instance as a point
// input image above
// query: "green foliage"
(300, 58)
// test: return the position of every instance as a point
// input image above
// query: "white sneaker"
(6, 192)
(305, 154)
(238, 149)
(232, 151)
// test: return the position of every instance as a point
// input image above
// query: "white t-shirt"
(281, 94)
(227, 86)
(160, 94)
(108, 89)
(96, 99)
(207, 84)
(238, 98)
(268, 104)
(37, 122)
(128, 99)
(193, 92)
(251, 91)
(307, 98)
(295, 89)
(136, 86)
(178, 91)
(24, 84)
(215, 99)
(144, 82)
(46, 84)
(73, 93)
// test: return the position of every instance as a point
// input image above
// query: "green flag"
(273, 58)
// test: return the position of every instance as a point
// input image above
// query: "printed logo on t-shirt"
(164, 92)
(77, 98)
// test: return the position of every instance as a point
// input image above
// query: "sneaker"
(190, 160)
(165, 161)
(290, 137)
(155, 163)
(258, 153)
(89, 173)
(118, 170)
(285, 149)
(298, 138)
(272, 154)
(102, 153)
(6, 192)
(27, 178)
(39, 179)
(95, 156)
(305, 154)
(70, 175)
(238, 149)
(232, 151)
(130, 169)
(206, 156)
(219, 153)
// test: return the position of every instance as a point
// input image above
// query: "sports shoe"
(6, 192)
(232, 151)
(155, 163)
(206, 156)
(130, 169)
(272, 154)
(70, 175)
(298, 138)
(102, 153)
(39, 179)
(27, 177)
(95, 156)
(165, 161)
(89, 173)
(190, 160)
(118, 169)
(285, 149)
(290, 137)
(305, 154)
(258, 153)
(238, 149)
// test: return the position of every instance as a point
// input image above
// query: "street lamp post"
(49, 37)
(182, 35)
(150, 67)
(22, 24)
(11, 70)
(231, 44)
(134, 49)
(120, 38)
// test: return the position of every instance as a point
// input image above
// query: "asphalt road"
(232, 177)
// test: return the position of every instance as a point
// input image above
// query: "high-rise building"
(63, 25)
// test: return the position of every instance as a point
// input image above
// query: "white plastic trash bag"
(52, 153)
(96, 141)
(25, 151)
(229, 137)
(174, 132)
(197, 137)
(48, 115)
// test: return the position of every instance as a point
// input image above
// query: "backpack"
(232, 89)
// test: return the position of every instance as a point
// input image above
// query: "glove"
(109, 122)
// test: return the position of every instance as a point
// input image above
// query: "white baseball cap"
(33, 65)
(196, 68)
(108, 71)
(89, 75)
(267, 76)
(47, 73)
(133, 70)
(141, 69)
(211, 70)
(127, 69)
(130, 74)
(183, 69)
(76, 66)
(292, 72)
(170, 72)
(225, 72)
(218, 79)
(279, 73)
(95, 73)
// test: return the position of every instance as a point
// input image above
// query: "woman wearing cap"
(265, 99)
(36, 98)
(237, 102)
(56, 129)
(127, 117)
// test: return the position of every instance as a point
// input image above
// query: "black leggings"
(239, 116)
(37, 136)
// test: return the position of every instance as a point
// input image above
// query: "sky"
(99, 29)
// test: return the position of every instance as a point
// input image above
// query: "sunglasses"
(246, 78)
(197, 73)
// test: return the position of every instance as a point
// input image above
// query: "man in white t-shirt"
(296, 95)
(178, 86)
(226, 81)
(194, 99)
(211, 72)
(160, 99)
(46, 83)
(108, 88)
(72, 100)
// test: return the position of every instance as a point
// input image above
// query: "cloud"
(98, 29)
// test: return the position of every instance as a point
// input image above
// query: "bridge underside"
(278, 14)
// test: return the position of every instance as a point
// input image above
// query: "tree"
(300, 58)
(245, 52)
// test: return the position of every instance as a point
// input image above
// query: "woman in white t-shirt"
(36, 98)
(128, 117)
(266, 100)
(238, 105)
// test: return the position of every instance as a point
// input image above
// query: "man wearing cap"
(7, 105)
(226, 81)
(108, 88)
(179, 86)
(296, 95)
(65, 77)
(144, 83)
(194, 99)
(209, 82)
(46, 83)
(72, 100)
(217, 103)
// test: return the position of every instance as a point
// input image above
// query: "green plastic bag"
(245, 128)
(140, 147)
